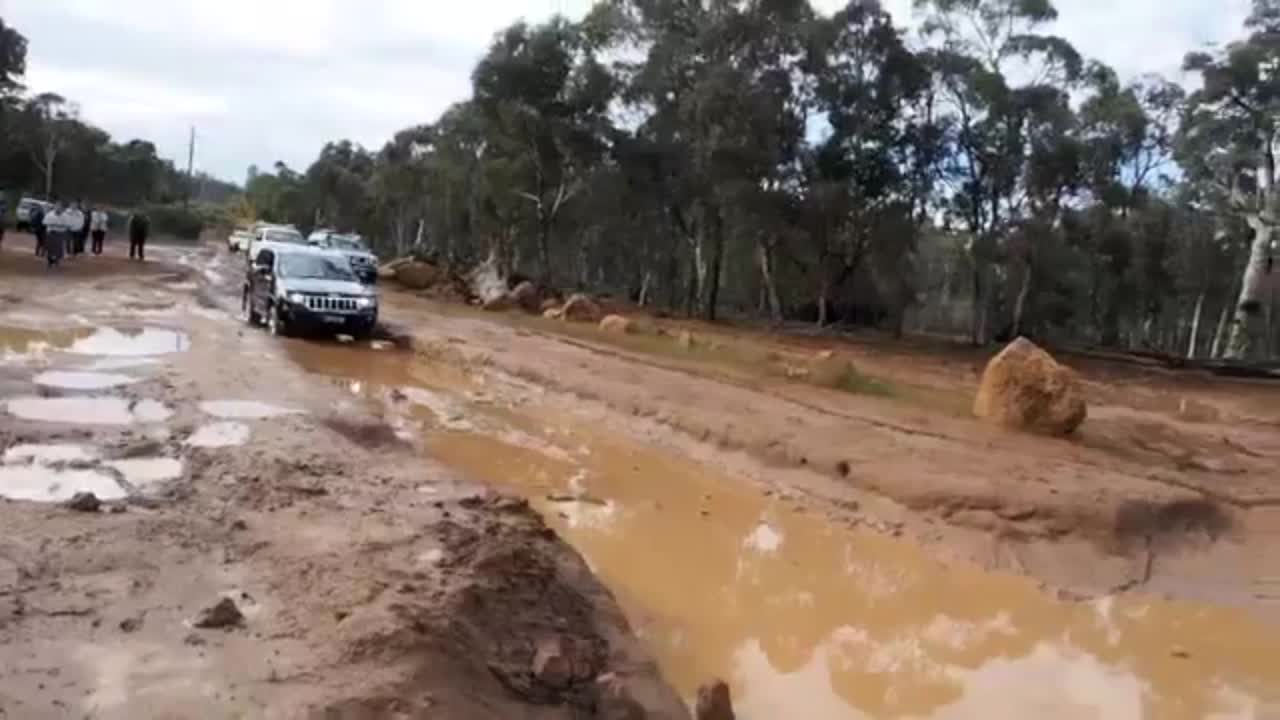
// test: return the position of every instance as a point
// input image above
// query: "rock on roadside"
(417, 275)
(1026, 389)
(581, 308)
(525, 296)
(222, 614)
(85, 502)
(497, 303)
(714, 702)
(617, 324)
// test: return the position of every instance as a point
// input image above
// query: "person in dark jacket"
(37, 228)
(82, 233)
(139, 229)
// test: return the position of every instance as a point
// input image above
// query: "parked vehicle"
(22, 218)
(363, 261)
(267, 233)
(239, 240)
(295, 288)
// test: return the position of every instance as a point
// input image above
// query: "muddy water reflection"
(131, 342)
(808, 619)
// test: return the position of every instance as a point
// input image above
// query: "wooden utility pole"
(191, 159)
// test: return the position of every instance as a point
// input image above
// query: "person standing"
(37, 228)
(139, 228)
(57, 235)
(98, 228)
(82, 232)
(76, 222)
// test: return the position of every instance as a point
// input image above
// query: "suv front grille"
(330, 304)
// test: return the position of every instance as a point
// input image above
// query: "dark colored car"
(299, 289)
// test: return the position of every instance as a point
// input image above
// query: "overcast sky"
(268, 80)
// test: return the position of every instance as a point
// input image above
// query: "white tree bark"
(1195, 327)
(1246, 330)
(770, 287)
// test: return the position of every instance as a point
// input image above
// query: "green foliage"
(183, 222)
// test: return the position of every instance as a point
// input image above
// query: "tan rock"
(687, 340)
(617, 324)
(417, 275)
(553, 313)
(549, 304)
(581, 308)
(829, 370)
(714, 702)
(525, 295)
(388, 270)
(498, 303)
(1025, 388)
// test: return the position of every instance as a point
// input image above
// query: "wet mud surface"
(387, 520)
(241, 556)
(802, 613)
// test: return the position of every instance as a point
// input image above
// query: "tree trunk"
(979, 329)
(644, 289)
(770, 287)
(544, 251)
(50, 157)
(1246, 330)
(716, 226)
(1020, 305)
(1220, 332)
(1195, 327)
(823, 291)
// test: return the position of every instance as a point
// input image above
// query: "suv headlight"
(297, 298)
(366, 302)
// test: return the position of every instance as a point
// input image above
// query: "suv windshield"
(314, 266)
(283, 236)
(346, 242)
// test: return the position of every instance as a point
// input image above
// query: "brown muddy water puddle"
(806, 618)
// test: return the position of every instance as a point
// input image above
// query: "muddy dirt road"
(833, 556)
(352, 576)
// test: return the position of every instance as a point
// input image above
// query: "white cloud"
(267, 80)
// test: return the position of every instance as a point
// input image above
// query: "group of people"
(64, 229)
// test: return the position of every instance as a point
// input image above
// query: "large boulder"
(830, 370)
(617, 324)
(1025, 388)
(526, 296)
(497, 303)
(580, 308)
(417, 275)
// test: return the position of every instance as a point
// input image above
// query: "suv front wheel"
(276, 324)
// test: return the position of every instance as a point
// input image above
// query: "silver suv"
(26, 206)
(363, 262)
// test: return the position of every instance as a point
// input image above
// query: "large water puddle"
(219, 435)
(82, 380)
(17, 343)
(50, 454)
(144, 472)
(45, 484)
(808, 619)
(107, 410)
(130, 342)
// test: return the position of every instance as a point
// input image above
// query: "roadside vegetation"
(974, 176)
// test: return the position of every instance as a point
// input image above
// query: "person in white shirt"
(98, 220)
(57, 232)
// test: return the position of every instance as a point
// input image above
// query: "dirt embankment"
(352, 578)
(1168, 478)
